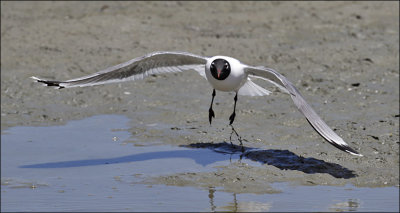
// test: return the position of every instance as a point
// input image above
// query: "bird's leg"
(237, 135)
(211, 111)
(232, 117)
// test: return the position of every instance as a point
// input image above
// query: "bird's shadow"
(201, 157)
(282, 159)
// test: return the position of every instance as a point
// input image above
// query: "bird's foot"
(211, 114)
(232, 118)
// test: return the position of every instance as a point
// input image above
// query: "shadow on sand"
(282, 159)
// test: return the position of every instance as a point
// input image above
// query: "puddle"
(86, 166)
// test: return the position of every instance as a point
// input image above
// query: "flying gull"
(222, 72)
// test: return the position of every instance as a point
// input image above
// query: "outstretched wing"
(316, 122)
(137, 68)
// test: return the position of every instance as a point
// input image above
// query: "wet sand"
(342, 56)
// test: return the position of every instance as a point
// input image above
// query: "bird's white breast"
(234, 81)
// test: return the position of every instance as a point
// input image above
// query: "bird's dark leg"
(211, 111)
(232, 117)
(237, 135)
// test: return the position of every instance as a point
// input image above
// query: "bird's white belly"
(232, 83)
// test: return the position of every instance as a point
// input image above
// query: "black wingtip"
(346, 149)
(48, 82)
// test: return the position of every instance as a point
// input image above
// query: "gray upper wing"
(316, 122)
(137, 68)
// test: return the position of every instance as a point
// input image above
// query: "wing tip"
(47, 83)
(347, 149)
(353, 152)
(338, 144)
(344, 147)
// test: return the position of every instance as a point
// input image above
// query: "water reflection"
(350, 205)
(211, 192)
(237, 206)
(249, 206)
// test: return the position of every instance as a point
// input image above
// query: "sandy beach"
(342, 56)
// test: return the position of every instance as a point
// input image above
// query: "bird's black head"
(220, 69)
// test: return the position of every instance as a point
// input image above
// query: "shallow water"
(85, 165)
